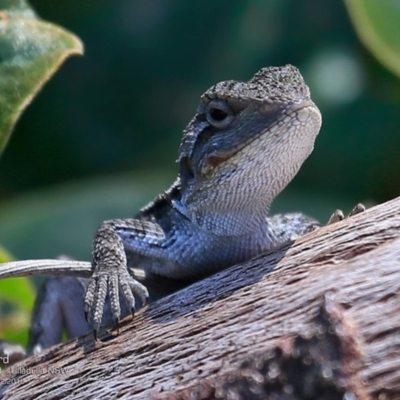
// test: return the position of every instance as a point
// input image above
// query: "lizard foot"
(339, 216)
(111, 280)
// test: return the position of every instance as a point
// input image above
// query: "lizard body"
(245, 143)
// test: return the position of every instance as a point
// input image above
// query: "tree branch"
(240, 319)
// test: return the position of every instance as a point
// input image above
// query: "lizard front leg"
(58, 309)
(110, 269)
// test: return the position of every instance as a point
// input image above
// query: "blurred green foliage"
(377, 24)
(123, 106)
(17, 297)
(5, 256)
(31, 50)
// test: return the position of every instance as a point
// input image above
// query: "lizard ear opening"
(219, 114)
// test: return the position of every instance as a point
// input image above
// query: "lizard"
(245, 143)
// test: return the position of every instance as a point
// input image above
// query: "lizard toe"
(139, 289)
(336, 217)
(127, 290)
(89, 298)
(99, 300)
(113, 291)
(359, 208)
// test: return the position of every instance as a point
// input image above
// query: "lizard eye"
(219, 114)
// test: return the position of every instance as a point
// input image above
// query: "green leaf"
(17, 295)
(18, 292)
(378, 26)
(31, 50)
(5, 256)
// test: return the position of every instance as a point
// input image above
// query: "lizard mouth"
(213, 160)
(218, 158)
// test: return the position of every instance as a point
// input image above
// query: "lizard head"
(245, 143)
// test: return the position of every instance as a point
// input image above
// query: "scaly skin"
(245, 143)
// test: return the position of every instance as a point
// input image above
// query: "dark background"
(101, 138)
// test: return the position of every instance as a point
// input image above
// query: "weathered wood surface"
(208, 329)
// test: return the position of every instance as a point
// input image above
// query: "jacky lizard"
(245, 143)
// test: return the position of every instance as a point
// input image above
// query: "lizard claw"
(357, 209)
(336, 217)
(111, 280)
(116, 325)
(339, 216)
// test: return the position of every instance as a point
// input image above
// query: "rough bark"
(330, 300)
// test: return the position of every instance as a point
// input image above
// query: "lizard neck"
(224, 222)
